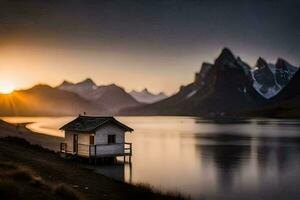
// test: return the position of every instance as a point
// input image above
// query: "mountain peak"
(227, 53)
(87, 81)
(65, 84)
(200, 76)
(281, 63)
(162, 94)
(205, 65)
(113, 86)
(144, 96)
(225, 56)
(261, 63)
(41, 86)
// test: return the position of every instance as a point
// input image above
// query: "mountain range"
(227, 87)
(145, 96)
(71, 99)
(111, 97)
(45, 100)
(286, 103)
(269, 78)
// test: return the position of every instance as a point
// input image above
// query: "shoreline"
(47, 164)
(46, 141)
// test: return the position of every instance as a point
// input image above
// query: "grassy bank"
(31, 172)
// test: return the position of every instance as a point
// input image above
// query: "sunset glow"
(6, 87)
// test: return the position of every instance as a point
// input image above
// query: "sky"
(156, 44)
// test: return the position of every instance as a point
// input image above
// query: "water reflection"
(227, 159)
(115, 170)
(247, 167)
(248, 159)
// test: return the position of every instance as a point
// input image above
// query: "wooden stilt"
(130, 173)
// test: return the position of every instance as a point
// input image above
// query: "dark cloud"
(270, 27)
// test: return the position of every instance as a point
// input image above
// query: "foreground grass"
(147, 188)
(31, 172)
(19, 182)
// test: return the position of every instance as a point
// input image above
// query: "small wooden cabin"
(94, 137)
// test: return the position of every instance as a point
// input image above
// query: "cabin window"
(111, 139)
(92, 139)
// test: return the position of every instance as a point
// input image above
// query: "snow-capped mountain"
(269, 79)
(284, 72)
(286, 103)
(228, 87)
(145, 96)
(218, 89)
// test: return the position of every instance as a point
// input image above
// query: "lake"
(249, 159)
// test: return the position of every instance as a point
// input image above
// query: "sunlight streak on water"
(252, 159)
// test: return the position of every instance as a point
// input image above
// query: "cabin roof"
(91, 123)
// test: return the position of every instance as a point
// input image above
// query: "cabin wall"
(110, 129)
(83, 142)
(69, 141)
(101, 137)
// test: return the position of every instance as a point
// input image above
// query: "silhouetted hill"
(114, 98)
(45, 100)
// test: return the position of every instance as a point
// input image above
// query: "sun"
(6, 87)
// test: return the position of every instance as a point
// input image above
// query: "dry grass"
(11, 175)
(23, 142)
(16, 180)
(149, 190)
(38, 183)
(7, 166)
(8, 190)
(66, 192)
(20, 173)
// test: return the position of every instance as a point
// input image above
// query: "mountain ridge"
(45, 100)
(144, 96)
(226, 87)
(111, 97)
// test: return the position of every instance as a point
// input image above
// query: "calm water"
(253, 159)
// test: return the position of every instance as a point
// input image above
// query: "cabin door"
(75, 143)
